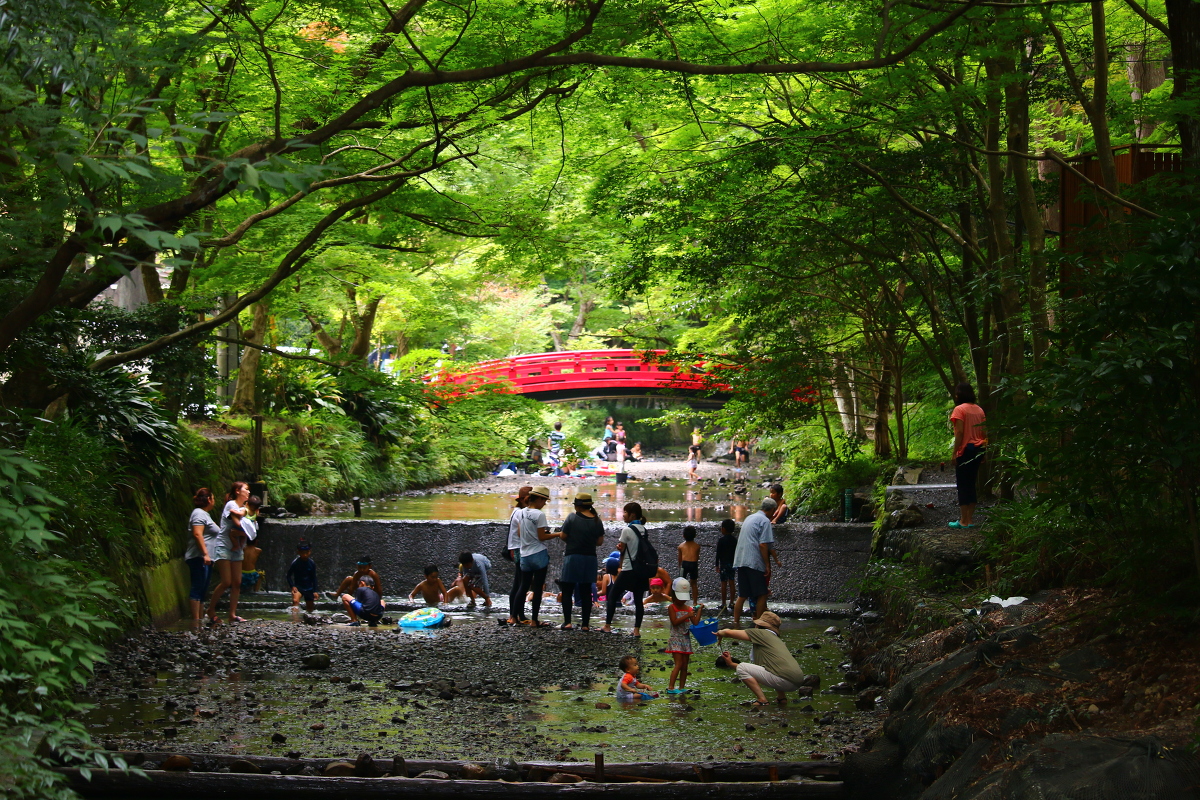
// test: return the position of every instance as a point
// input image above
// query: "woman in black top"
(583, 532)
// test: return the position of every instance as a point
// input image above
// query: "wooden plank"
(208, 785)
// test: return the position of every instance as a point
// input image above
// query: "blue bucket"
(706, 632)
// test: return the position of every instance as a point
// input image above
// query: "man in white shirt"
(751, 560)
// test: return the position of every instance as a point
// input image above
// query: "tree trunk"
(1145, 74)
(840, 385)
(245, 398)
(585, 308)
(883, 396)
(150, 282)
(1098, 111)
(1017, 101)
(1183, 19)
(364, 323)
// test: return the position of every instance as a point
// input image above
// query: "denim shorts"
(535, 561)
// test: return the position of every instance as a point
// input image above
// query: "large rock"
(316, 661)
(305, 504)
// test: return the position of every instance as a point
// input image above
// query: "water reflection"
(662, 501)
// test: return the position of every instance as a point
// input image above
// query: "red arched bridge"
(591, 375)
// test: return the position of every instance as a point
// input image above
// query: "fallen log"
(718, 771)
(208, 785)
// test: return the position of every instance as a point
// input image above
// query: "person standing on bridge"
(554, 443)
(752, 560)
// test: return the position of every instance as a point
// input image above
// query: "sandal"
(584, 628)
(541, 624)
(566, 626)
(238, 619)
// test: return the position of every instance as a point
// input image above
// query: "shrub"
(51, 625)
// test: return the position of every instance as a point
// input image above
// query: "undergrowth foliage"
(51, 623)
(1108, 432)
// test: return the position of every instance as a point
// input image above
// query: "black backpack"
(645, 562)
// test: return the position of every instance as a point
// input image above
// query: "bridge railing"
(581, 369)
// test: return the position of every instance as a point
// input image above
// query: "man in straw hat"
(771, 664)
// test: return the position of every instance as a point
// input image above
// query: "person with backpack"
(639, 563)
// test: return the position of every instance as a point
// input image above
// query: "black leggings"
(626, 582)
(966, 473)
(516, 606)
(585, 602)
(536, 580)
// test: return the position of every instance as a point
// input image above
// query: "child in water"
(679, 645)
(630, 688)
(431, 589)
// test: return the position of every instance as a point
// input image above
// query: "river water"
(554, 721)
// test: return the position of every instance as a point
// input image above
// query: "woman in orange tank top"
(970, 443)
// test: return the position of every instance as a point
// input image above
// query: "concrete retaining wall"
(821, 562)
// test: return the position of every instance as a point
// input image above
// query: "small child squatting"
(365, 602)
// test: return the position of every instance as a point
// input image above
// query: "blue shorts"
(367, 615)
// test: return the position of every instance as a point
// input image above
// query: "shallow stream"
(248, 712)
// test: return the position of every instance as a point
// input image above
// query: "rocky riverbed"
(474, 691)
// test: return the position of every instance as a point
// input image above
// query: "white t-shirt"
(224, 539)
(250, 526)
(630, 540)
(531, 520)
(514, 529)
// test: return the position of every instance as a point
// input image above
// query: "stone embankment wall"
(821, 562)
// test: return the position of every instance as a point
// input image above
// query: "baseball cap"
(682, 588)
(303, 545)
(364, 561)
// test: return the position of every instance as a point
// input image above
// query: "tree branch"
(273, 351)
